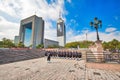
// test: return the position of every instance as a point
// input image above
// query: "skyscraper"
(32, 31)
(61, 32)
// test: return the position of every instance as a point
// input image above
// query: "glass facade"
(28, 34)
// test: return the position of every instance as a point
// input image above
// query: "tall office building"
(32, 31)
(61, 32)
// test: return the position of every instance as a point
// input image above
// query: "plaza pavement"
(58, 69)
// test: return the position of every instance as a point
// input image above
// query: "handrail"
(91, 57)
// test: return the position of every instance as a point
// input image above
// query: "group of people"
(62, 53)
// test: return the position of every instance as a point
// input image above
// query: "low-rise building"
(48, 42)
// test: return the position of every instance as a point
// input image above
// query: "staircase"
(13, 55)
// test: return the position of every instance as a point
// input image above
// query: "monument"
(97, 48)
(61, 32)
(32, 31)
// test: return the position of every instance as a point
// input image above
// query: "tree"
(111, 45)
(20, 45)
(40, 46)
(7, 43)
(1, 43)
(118, 46)
(105, 45)
(115, 43)
(81, 44)
(53, 46)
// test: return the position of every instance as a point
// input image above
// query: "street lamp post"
(98, 49)
(86, 36)
(96, 24)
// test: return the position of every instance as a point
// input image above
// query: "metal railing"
(114, 57)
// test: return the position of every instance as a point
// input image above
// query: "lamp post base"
(97, 51)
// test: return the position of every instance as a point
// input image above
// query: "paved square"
(57, 69)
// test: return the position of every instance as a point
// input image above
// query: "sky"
(77, 15)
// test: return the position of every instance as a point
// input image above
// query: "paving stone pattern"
(57, 69)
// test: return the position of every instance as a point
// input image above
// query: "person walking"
(49, 57)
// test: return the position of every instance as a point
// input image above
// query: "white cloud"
(71, 36)
(85, 31)
(49, 12)
(110, 36)
(110, 29)
(69, 1)
(11, 7)
(24, 8)
(91, 36)
(8, 29)
(116, 17)
(73, 21)
(50, 32)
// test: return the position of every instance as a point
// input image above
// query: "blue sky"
(84, 11)
(77, 15)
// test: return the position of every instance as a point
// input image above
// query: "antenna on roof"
(35, 12)
(60, 14)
